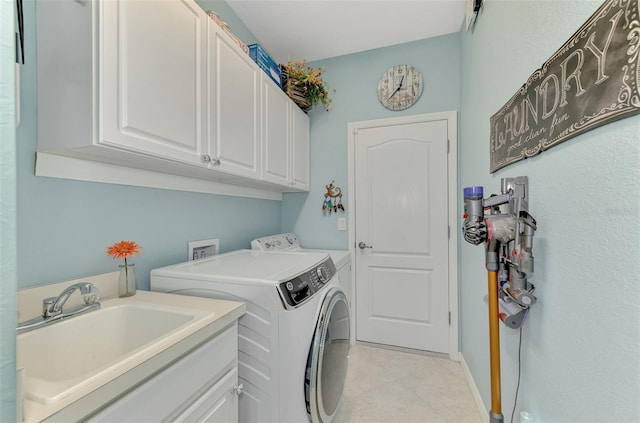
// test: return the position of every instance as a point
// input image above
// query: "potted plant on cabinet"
(304, 85)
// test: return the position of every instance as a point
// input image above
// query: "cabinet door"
(300, 149)
(233, 118)
(275, 141)
(151, 77)
(219, 404)
(200, 377)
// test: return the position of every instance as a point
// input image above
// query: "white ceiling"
(318, 29)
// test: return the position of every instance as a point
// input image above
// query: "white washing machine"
(294, 338)
(288, 242)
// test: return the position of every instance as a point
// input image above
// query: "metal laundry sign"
(590, 81)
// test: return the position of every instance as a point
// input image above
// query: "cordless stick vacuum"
(503, 223)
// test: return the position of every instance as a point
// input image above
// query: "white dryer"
(294, 338)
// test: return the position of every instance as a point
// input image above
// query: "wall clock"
(400, 87)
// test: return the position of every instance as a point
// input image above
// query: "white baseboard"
(474, 390)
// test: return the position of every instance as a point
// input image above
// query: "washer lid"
(246, 266)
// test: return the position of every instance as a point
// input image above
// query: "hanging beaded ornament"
(332, 199)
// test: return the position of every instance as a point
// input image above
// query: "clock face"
(400, 87)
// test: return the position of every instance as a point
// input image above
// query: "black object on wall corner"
(20, 33)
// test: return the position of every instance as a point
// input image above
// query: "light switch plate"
(342, 223)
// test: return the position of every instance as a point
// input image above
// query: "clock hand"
(394, 93)
(397, 89)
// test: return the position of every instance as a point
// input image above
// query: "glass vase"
(126, 281)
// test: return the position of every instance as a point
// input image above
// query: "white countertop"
(212, 316)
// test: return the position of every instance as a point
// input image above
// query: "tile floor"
(388, 386)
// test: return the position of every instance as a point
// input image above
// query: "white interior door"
(401, 235)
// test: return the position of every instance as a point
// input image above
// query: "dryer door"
(328, 358)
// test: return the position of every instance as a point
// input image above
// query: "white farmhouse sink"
(66, 356)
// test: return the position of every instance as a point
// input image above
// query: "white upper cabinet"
(121, 74)
(158, 86)
(234, 106)
(152, 77)
(285, 143)
(276, 134)
(300, 149)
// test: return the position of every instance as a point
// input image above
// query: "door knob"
(362, 245)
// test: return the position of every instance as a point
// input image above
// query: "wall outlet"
(203, 249)
(342, 223)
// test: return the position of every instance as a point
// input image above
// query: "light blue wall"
(7, 214)
(65, 226)
(581, 342)
(355, 78)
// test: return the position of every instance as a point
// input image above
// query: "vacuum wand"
(494, 349)
(502, 222)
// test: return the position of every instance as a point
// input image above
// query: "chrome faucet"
(52, 308)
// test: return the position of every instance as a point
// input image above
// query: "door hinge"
(449, 318)
(449, 231)
(448, 146)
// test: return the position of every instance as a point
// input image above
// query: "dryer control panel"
(300, 289)
(280, 242)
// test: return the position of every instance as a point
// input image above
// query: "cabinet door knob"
(205, 158)
(237, 389)
(215, 161)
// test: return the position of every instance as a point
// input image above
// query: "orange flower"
(123, 250)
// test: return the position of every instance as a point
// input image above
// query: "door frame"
(452, 195)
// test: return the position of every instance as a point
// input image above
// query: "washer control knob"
(322, 274)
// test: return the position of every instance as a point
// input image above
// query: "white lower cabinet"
(200, 387)
(219, 404)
